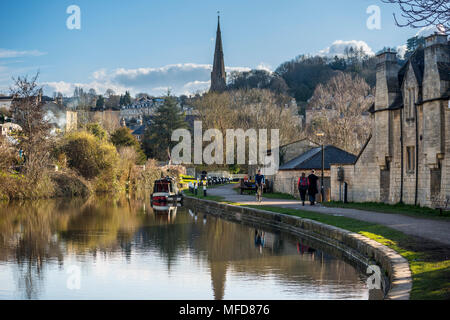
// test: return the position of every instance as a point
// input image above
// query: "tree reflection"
(37, 235)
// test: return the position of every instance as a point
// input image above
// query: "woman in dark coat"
(302, 185)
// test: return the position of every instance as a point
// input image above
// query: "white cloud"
(265, 67)
(427, 31)
(67, 88)
(401, 50)
(338, 48)
(183, 78)
(6, 53)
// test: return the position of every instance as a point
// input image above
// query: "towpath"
(431, 229)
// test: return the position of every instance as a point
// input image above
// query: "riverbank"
(51, 184)
(428, 259)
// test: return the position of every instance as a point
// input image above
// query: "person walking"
(302, 185)
(312, 187)
(260, 180)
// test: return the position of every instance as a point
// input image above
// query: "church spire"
(218, 74)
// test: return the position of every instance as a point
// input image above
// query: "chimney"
(436, 64)
(387, 87)
(434, 87)
(387, 90)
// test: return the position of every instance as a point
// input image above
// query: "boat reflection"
(165, 211)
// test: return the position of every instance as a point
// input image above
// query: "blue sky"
(149, 45)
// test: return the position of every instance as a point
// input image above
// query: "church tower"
(218, 74)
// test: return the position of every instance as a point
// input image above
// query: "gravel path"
(436, 230)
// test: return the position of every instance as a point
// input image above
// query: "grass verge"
(405, 209)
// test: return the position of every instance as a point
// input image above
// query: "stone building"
(285, 181)
(5, 102)
(407, 157)
(60, 117)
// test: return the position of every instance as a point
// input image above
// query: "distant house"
(7, 128)
(5, 102)
(59, 117)
(285, 180)
(139, 132)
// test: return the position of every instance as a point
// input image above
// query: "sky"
(152, 45)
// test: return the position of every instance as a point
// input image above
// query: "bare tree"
(7, 154)
(339, 111)
(423, 13)
(248, 109)
(28, 113)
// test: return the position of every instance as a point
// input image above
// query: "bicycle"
(259, 192)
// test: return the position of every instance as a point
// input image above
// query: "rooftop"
(312, 159)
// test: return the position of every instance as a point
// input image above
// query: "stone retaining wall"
(360, 249)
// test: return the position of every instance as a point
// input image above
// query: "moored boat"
(165, 190)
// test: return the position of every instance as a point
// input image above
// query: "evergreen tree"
(123, 137)
(157, 139)
(412, 44)
(127, 98)
(100, 102)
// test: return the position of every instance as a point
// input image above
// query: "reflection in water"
(127, 250)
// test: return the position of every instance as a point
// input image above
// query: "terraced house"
(407, 157)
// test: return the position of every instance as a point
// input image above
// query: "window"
(411, 104)
(410, 159)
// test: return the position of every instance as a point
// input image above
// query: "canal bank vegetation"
(41, 162)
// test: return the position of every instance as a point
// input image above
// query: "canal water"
(104, 248)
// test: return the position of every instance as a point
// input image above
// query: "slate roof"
(312, 159)
(139, 131)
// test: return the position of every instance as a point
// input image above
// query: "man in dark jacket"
(312, 187)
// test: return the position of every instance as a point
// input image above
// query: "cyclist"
(260, 180)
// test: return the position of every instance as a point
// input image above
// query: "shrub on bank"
(88, 155)
(19, 186)
(70, 184)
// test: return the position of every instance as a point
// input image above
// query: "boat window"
(161, 187)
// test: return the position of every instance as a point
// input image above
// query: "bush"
(89, 155)
(69, 184)
(97, 130)
(19, 186)
(123, 138)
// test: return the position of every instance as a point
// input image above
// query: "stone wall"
(285, 181)
(445, 179)
(337, 187)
